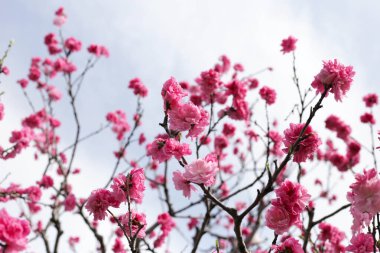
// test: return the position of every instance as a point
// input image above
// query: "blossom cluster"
(291, 200)
(125, 188)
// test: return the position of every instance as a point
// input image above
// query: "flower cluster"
(371, 100)
(138, 87)
(134, 222)
(306, 147)
(288, 45)
(166, 223)
(120, 126)
(130, 187)
(163, 148)
(201, 171)
(330, 238)
(335, 78)
(286, 208)
(183, 116)
(335, 124)
(289, 245)
(124, 188)
(364, 198)
(268, 95)
(13, 232)
(361, 243)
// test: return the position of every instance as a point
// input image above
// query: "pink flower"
(34, 193)
(131, 186)
(335, 77)
(224, 66)
(190, 117)
(13, 232)
(286, 208)
(368, 118)
(60, 17)
(335, 124)
(364, 197)
(228, 130)
(202, 171)
(53, 93)
(34, 74)
(73, 45)
(172, 93)
(137, 225)
(278, 219)
(163, 148)
(98, 50)
(253, 83)
(306, 147)
(370, 100)
(118, 120)
(118, 247)
(73, 240)
(220, 143)
(99, 201)
(289, 245)
(237, 89)
(276, 138)
(181, 184)
(166, 223)
(70, 202)
(331, 238)
(23, 83)
(238, 111)
(288, 45)
(361, 243)
(5, 70)
(268, 94)
(209, 82)
(193, 222)
(138, 87)
(64, 65)
(292, 196)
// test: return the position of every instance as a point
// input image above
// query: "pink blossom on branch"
(371, 100)
(99, 201)
(368, 118)
(98, 50)
(364, 197)
(202, 171)
(129, 187)
(13, 232)
(291, 200)
(361, 243)
(60, 17)
(134, 222)
(335, 77)
(268, 95)
(189, 117)
(289, 245)
(182, 184)
(163, 148)
(172, 93)
(138, 87)
(166, 224)
(307, 146)
(278, 219)
(73, 45)
(288, 45)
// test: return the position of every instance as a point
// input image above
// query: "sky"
(154, 40)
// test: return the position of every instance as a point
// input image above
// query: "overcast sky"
(157, 39)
